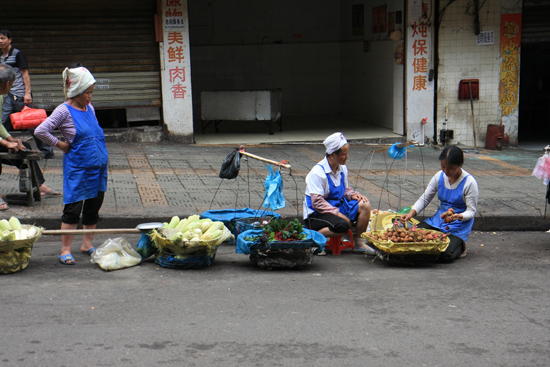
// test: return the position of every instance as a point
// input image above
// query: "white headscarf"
(335, 142)
(76, 81)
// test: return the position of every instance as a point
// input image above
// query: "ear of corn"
(5, 225)
(32, 232)
(212, 236)
(205, 225)
(173, 222)
(215, 226)
(176, 237)
(15, 224)
(182, 223)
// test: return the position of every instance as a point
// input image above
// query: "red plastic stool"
(336, 245)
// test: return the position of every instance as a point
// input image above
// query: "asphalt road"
(489, 309)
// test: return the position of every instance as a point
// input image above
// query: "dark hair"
(453, 155)
(335, 152)
(5, 32)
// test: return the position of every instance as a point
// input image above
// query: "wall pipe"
(436, 63)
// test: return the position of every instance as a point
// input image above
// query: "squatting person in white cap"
(85, 157)
(331, 205)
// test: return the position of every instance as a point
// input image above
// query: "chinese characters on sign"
(485, 38)
(174, 22)
(420, 52)
(510, 38)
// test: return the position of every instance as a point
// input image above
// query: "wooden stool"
(336, 244)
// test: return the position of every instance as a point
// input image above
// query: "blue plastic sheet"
(273, 197)
(227, 216)
(313, 239)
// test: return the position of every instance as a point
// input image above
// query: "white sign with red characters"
(176, 69)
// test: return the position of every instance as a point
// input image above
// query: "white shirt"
(317, 183)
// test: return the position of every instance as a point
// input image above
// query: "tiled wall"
(461, 58)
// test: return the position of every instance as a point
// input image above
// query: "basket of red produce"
(281, 244)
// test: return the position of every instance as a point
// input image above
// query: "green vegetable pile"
(282, 230)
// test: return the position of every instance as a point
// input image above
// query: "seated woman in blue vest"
(456, 189)
(331, 205)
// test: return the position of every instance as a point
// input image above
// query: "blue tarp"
(313, 239)
(228, 215)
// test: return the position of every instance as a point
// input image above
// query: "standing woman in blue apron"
(331, 205)
(84, 161)
(456, 189)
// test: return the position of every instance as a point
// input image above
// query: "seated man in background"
(7, 78)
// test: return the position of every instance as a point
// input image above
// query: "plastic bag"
(273, 198)
(28, 118)
(115, 254)
(145, 246)
(542, 168)
(231, 165)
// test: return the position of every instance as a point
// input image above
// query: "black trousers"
(18, 162)
(334, 223)
(456, 247)
(88, 208)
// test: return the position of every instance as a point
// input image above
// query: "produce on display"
(447, 216)
(193, 230)
(282, 230)
(189, 243)
(16, 241)
(406, 241)
(411, 235)
(12, 229)
(281, 244)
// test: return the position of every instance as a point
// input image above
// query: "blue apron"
(451, 199)
(336, 198)
(85, 165)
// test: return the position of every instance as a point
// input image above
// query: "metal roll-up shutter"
(535, 26)
(114, 39)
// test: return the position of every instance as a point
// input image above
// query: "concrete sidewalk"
(153, 182)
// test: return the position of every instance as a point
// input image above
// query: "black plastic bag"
(231, 165)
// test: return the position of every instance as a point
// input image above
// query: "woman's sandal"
(67, 259)
(51, 193)
(3, 205)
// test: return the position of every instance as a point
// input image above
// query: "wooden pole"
(473, 117)
(265, 160)
(90, 231)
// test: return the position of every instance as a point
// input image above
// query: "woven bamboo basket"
(408, 248)
(186, 256)
(15, 255)
(160, 240)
